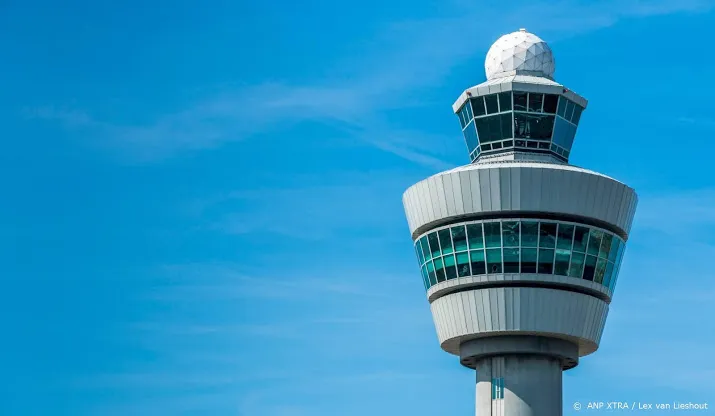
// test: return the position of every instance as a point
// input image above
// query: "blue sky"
(202, 201)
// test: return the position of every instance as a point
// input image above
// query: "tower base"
(519, 375)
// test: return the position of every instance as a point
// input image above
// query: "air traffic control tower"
(518, 250)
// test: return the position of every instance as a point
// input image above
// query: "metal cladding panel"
(449, 193)
(457, 193)
(494, 311)
(466, 192)
(532, 187)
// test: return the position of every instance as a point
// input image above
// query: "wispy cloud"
(409, 58)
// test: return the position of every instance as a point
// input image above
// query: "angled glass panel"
(469, 114)
(609, 273)
(580, 239)
(433, 244)
(488, 129)
(562, 106)
(463, 264)
(460, 115)
(494, 260)
(445, 241)
(425, 277)
(477, 262)
(511, 260)
(565, 237)
(459, 238)
(492, 104)
(613, 253)
(600, 270)
(505, 101)
(450, 268)
(576, 117)
(533, 126)
(561, 263)
(510, 233)
(546, 261)
(506, 126)
(594, 242)
(470, 137)
(529, 234)
(589, 269)
(478, 106)
(535, 101)
(492, 234)
(425, 248)
(520, 101)
(576, 267)
(606, 243)
(474, 233)
(550, 103)
(569, 110)
(431, 274)
(547, 234)
(420, 257)
(439, 270)
(528, 260)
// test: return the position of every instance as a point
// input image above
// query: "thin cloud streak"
(412, 56)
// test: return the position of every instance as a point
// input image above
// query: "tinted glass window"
(576, 114)
(494, 260)
(439, 270)
(492, 234)
(425, 277)
(510, 233)
(450, 268)
(489, 129)
(478, 266)
(511, 260)
(528, 260)
(550, 103)
(529, 233)
(547, 235)
(608, 274)
(431, 274)
(478, 106)
(606, 243)
(562, 106)
(561, 263)
(445, 241)
(459, 237)
(600, 270)
(576, 267)
(615, 245)
(506, 126)
(460, 115)
(420, 257)
(470, 137)
(535, 101)
(474, 233)
(504, 101)
(433, 244)
(492, 105)
(425, 248)
(580, 239)
(546, 260)
(594, 242)
(569, 110)
(589, 268)
(520, 101)
(533, 126)
(463, 264)
(565, 238)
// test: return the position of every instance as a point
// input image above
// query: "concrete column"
(531, 386)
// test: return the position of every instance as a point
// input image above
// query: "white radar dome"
(520, 52)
